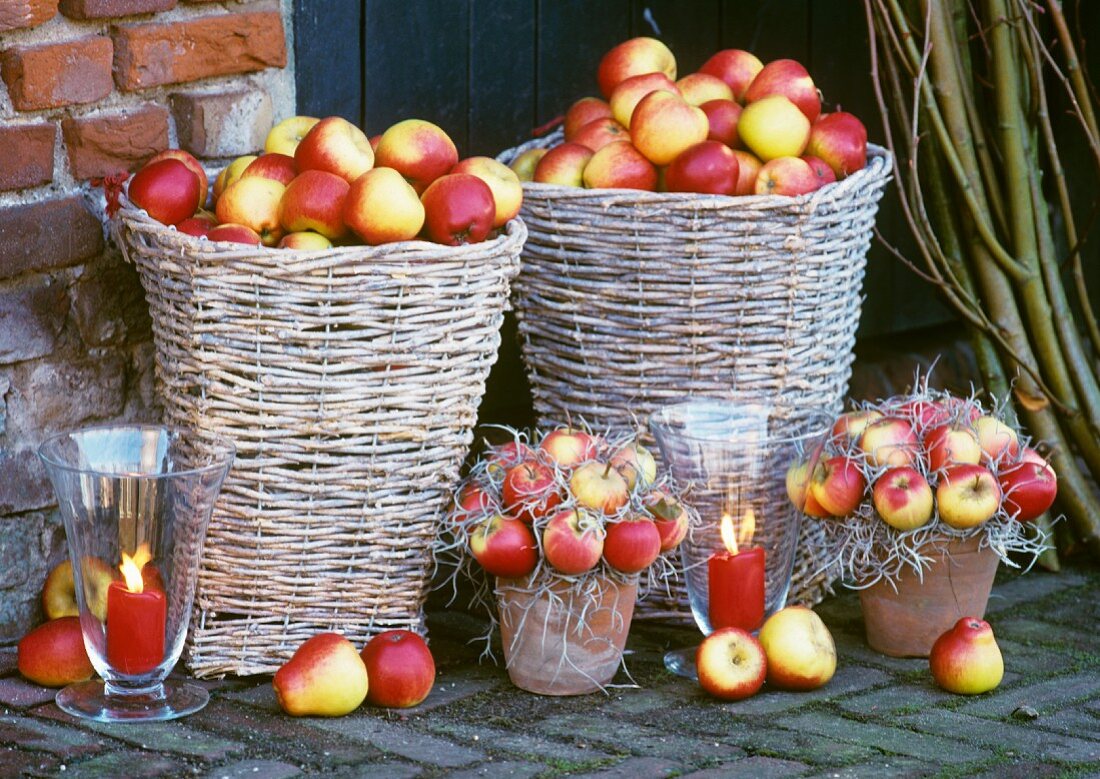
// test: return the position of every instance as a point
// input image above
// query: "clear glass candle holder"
(136, 501)
(733, 460)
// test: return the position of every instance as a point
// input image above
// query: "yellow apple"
(325, 677)
(231, 173)
(524, 165)
(306, 240)
(774, 127)
(253, 201)
(800, 649)
(59, 590)
(381, 207)
(285, 136)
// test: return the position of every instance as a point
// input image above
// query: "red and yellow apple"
(800, 649)
(967, 496)
(458, 209)
(788, 78)
(573, 542)
(529, 491)
(563, 165)
(53, 654)
(59, 589)
(669, 516)
(629, 93)
(709, 167)
(822, 171)
(325, 677)
(748, 167)
(336, 146)
(1029, 486)
(192, 164)
(254, 201)
(722, 118)
(698, 88)
(418, 150)
(949, 445)
(634, 57)
(315, 200)
(381, 207)
(167, 189)
(839, 139)
(306, 240)
(598, 486)
(966, 660)
(850, 425)
(619, 165)
(731, 664)
(504, 546)
(664, 125)
(503, 182)
(890, 441)
(631, 545)
(600, 132)
(788, 176)
(997, 439)
(525, 163)
(284, 137)
(569, 447)
(231, 173)
(278, 167)
(637, 465)
(736, 67)
(583, 111)
(234, 233)
(903, 498)
(198, 225)
(838, 485)
(400, 669)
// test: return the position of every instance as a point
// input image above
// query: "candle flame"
(131, 567)
(735, 540)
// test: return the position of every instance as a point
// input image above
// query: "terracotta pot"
(545, 651)
(907, 621)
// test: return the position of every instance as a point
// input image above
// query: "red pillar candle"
(736, 589)
(135, 622)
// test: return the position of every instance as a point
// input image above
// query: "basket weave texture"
(629, 300)
(349, 379)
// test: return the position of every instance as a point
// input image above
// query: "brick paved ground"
(879, 717)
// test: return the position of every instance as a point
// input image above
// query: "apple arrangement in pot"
(564, 527)
(920, 497)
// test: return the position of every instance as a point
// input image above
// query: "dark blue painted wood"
(690, 29)
(503, 41)
(327, 66)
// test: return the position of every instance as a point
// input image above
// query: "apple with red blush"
(840, 140)
(748, 167)
(789, 176)
(966, 660)
(722, 118)
(583, 111)
(788, 78)
(400, 668)
(1029, 486)
(664, 124)
(563, 165)
(335, 146)
(951, 444)
(624, 100)
(167, 189)
(890, 441)
(670, 517)
(600, 132)
(192, 164)
(736, 67)
(458, 209)
(419, 150)
(823, 172)
(631, 545)
(698, 88)
(731, 664)
(619, 165)
(903, 498)
(569, 447)
(634, 57)
(967, 496)
(314, 201)
(598, 486)
(198, 225)
(529, 491)
(837, 485)
(709, 167)
(504, 546)
(573, 542)
(234, 233)
(274, 166)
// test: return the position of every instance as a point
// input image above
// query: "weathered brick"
(105, 9)
(17, 692)
(149, 55)
(26, 154)
(401, 740)
(222, 124)
(58, 74)
(67, 393)
(23, 483)
(171, 737)
(650, 741)
(108, 301)
(47, 235)
(18, 14)
(107, 143)
(32, 314)
(129, 763)
(521, 744)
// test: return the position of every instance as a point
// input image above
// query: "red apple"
(572, 542)
(53, 654)
(569, 447)
(473, 500)
(709, 167)
(168, 190)
(563, 165)
(1029, 487)
(335, 146)
(924, 413)
(277, 167)
(501, 458)
(503, 182)
(850, 426)
(634, 57)
(198, 225)
(736, 67)
(381, 207)
(698, 88)
(903, 498)
(630, 92)
(631, 545)
(823, 172)
(731, 664)
(669, 516)
(949, 445)
(530, 491)
(599, 486)
(748, 166)
(967, 496)
(839, 139)
(788, 78)
(504, 546)
(997, 439)
(600, 132)
(722, 118)
(966, 659)
(234, 233)
(619, 165)
(253, 201)
(773, 127)
(789, 176)
(663, 125)
(418, 150)
(838, 485)
(458, 209)
(890, 441)
(400, 668)
(314, 200)
(585, 110)
(192, 164)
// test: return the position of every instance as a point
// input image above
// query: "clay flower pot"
(906, 622)
(559, 640)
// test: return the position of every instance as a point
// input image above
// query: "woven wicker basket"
(629, 300)
(350, 380)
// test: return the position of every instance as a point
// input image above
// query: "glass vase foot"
(682, 662)
(170, 700)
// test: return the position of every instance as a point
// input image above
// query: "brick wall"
(89, 88)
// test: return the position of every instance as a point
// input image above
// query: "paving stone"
(848, 679)
(642, 701)
(638, 768)
(503, 768)
(793, 745)
(518, 743)
(852, 648)
(1043, 633)
(1045, 696)
(400, 740)
(376, 769)
(1030, 587)
(1025, 770)
(450, 688)
(891, 700)
(21, 694)
(171, 737)
(31, 733)
(130, 764)
(1073, 721)
(752, 768)
(9, 658)
(255, 769)
(1009, 737)
(641, 740)
(889, 768)
(933, 748)
(16, 763)
(262, 696)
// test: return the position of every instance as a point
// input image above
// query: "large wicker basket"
(350, 380)
(629, 300)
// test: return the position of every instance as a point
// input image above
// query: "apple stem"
(607, 470)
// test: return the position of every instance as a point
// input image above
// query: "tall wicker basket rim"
(629, 300)
(349, 378)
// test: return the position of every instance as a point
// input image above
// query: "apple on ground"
(634, 57)
(966, 660)
(619, 165)
(504, 546)
(569, 447)
(773, 127)
(458, 209)
(381, 207)
(634, 461)
(53, 654)
(278, 167)
(709, 167)
(234, 233)
(314, 200)
(670, 517)
(903, 498)
(325, 677)
(1029, 486)
(698, 88)
(839, 139)
(630, 92)
(400, 668)
(788, 78)
(192, 164)
(254, 202)
(823, 172)
(59, 589)
(600, 132)
(788, 176)
(951, 444)
(284, 137)
(583, 111)
(418, 150)
(231, 173)
(573, 542)
(198, 225)
(563, 165)
(722, 118)
(529, 491)
(731, 664)
(503, 182)
(664, 124)
(335, 146)
(850, 425)
(736, 67)
(167, 189)
(890, 441)
(838, 485)
(967, 496)
(748, 166)
(524, 165)
(632, 544)
(800, 650)
(997, 439)
(598, 486)
(306, 240)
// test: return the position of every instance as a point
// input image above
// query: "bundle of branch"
(970, 93)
